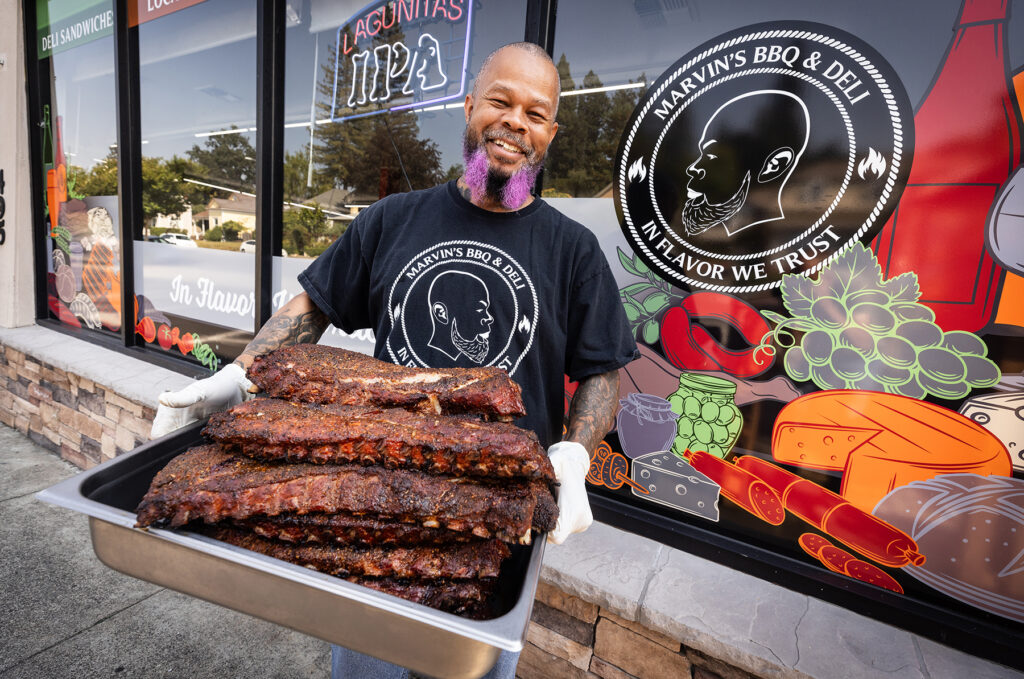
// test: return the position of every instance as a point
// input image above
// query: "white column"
(16, 282)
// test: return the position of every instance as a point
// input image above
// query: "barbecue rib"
(270, 428)
(317, 374)
(480, 559)
(210, 485)
(346, 529)
(469, 598)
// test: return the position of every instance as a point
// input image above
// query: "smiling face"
(510, 121)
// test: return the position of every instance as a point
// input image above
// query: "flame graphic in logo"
(637, 171)
(874, 163)
(524, 324)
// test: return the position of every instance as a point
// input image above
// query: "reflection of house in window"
(237, 207)
(342, 205)
(179, 222)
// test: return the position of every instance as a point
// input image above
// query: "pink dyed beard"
(514, 191)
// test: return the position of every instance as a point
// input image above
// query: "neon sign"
(400, 55)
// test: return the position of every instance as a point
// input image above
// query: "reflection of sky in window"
(198, 75)
(653, 34)
(83, 95)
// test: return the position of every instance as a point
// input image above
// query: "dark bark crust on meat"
(314, 373)
(209, 485)
(468, 598)
(480, 559)
(345, 529)
(273, 429)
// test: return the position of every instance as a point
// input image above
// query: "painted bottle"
(967, 141)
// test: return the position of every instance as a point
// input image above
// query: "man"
(551, 305)
(737, 179)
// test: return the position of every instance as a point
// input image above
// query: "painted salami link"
(830, 513)
(740, 486)
(694, 348)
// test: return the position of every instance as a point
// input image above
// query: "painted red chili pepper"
(740, 486)
(823, 509)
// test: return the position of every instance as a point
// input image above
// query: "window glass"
(347, 143)
(768, 391)
(77, 135)
(194, 284)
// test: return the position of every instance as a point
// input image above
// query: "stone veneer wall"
(570, 638)
(74, 417)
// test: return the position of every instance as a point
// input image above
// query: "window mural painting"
(824, 283)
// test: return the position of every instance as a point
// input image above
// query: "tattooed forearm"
(296, 322)
(592, 411)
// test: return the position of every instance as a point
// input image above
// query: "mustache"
(512, 138)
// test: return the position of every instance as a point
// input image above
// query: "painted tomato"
(163, 336)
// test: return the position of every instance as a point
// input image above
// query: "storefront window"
(353, 134)
(194, 283)
(77, 135)
(746, 415)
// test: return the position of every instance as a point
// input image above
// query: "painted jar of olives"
(708, 417)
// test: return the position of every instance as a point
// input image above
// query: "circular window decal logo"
(763, 152)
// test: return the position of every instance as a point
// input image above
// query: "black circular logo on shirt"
(462, 303)
(763, 152)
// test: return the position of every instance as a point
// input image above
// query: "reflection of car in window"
(248, 246)
(178, 239)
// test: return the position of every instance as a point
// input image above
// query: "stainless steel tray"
(425, 640)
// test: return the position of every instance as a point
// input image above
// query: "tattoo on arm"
(592, 411)
(297, 322)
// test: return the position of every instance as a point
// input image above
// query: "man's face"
(717, 188)
(471, 328)
(510, 116)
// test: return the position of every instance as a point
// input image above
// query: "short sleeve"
(599, 338)
(338, 281)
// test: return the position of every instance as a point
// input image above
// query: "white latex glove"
(225, 388)
(571, 462)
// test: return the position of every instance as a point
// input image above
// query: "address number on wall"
(3, 210)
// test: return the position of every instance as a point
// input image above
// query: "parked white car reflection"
(178, 239)
(249, 246)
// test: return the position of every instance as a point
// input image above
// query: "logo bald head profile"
(748, 150)
(460, 316)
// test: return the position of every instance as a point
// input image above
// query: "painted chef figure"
(551, 306)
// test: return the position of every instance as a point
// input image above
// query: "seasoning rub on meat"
(319, 374)
(464, 445)
(210, 485)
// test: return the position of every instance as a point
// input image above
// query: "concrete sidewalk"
(64, 614)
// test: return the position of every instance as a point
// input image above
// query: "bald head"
(529, 48)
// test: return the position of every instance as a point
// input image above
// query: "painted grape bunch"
(862, 332)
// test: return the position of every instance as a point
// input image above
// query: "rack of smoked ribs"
(408, 481)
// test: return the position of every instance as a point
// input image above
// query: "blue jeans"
(347, 664)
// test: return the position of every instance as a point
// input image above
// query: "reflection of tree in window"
(582, 156)
(226, 159)
(360, 153)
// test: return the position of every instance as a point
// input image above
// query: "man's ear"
(440, 312)
(776, 164)
(468, 106)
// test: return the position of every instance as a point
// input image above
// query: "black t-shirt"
(445, 283)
